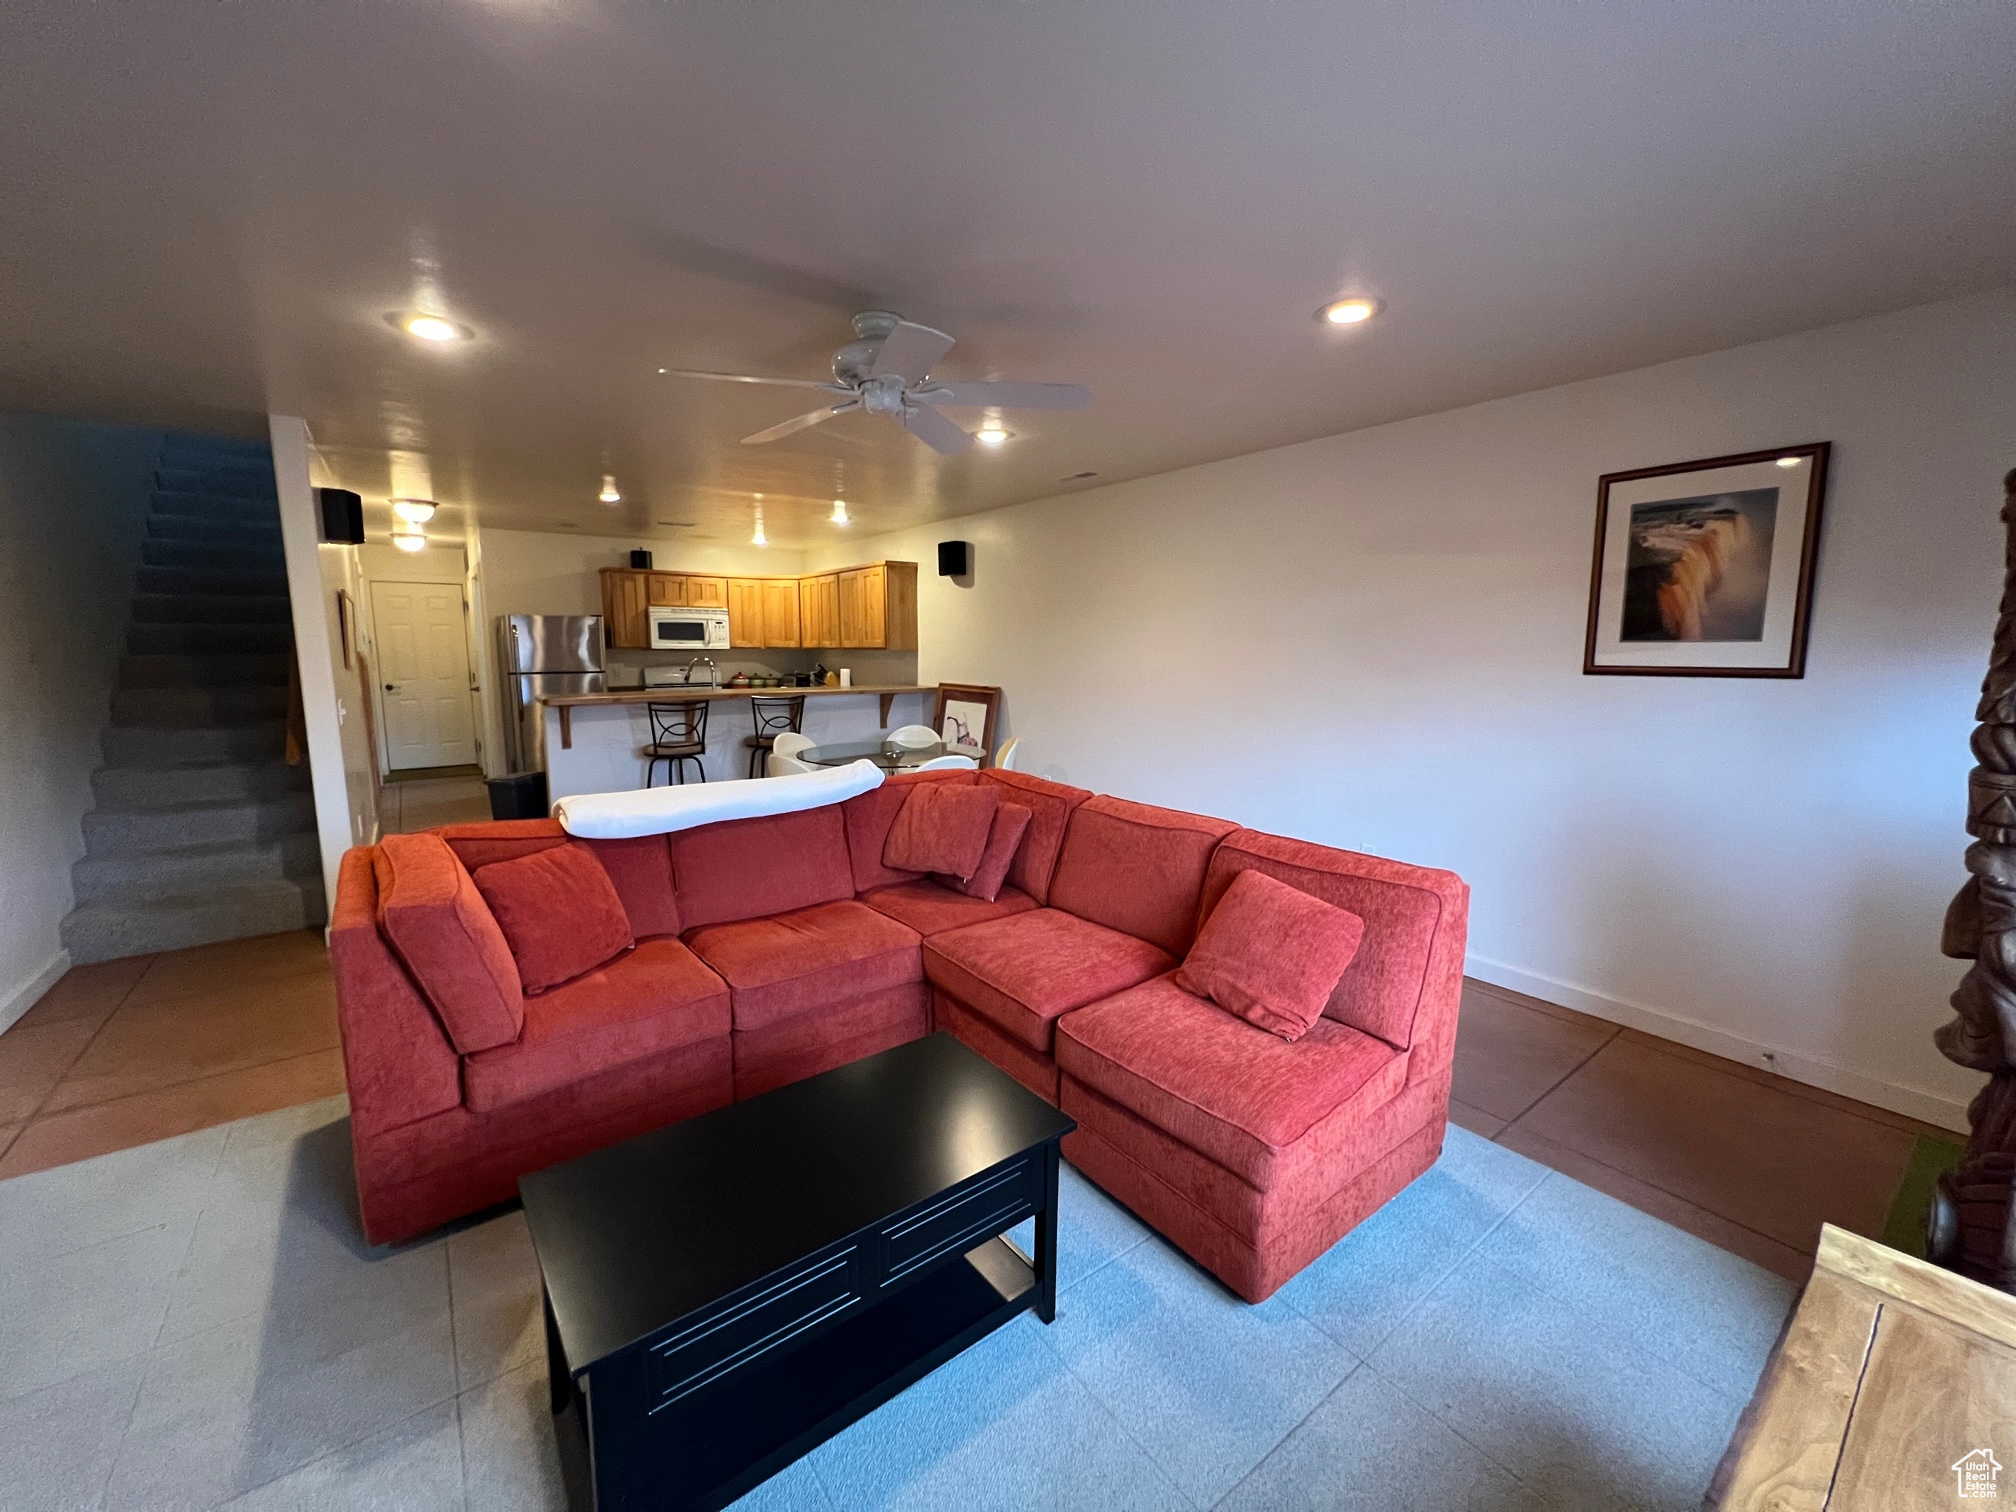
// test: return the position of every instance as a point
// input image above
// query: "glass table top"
(891, 758)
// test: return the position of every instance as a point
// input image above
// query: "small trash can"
(521, 795)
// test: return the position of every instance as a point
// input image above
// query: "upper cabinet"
(860, 608)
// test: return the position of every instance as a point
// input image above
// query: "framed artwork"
(346, 620)
(965, 719)
(1705, 569)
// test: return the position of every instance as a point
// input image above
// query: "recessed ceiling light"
(839, 515)
(425, 327)
(992, 435)
(414, 511)
(759, 539)
(1349, 311)
(1790, 461)
(409, 540)
(609, 495)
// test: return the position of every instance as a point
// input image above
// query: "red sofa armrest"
(396, 1057)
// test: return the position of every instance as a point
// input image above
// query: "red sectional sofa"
(771, 949)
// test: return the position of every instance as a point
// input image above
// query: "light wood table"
(1893, 1381)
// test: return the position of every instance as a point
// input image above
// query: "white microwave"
(688, 629)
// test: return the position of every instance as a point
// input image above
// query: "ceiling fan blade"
(811, 383)
(802, 422)
(1054, 396)
(911, 350)
(934, 430)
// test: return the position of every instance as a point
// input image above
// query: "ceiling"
(210, 209)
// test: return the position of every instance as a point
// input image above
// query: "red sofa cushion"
(942, 828)
(931, 908)
(559, 913)
(640, 869)
(656, 998)
(1136, 868)
(752, 868)
(1271, 954)
(1022, 972)
(1404, 909)
(1004, 837)
(1050, 806)
(807, 959)
(1229, 1091)
(430, 910)
(868, 816)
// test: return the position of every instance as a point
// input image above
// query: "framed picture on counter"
(1705, 569)
(965, 719)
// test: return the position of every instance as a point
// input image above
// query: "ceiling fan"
(886, 370)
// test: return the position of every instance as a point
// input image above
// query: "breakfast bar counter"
(594, 741)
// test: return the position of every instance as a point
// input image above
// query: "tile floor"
(197, 1324)
(422, 802)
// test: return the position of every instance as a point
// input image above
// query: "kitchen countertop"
(682, 693)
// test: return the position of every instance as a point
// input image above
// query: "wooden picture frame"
(1705, 568)
(345, 627)
(957, 700)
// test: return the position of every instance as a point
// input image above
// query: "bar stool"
(773, 716)
(678, 735)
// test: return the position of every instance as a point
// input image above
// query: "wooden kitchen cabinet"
(706, 593)
(878, 607)
(745, 612)
(625, 623)
(819, 610)
(780, 612)
(665, 590)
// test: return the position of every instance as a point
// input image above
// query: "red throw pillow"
(1005, 834)
(559, 911)
(1271, 954)
(942, 827)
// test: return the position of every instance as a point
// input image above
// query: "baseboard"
(1912, 1102)
(17, 1000)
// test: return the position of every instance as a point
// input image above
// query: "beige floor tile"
(1759, 1249)
(234, 963)
(1767, 1159)
(146, 1046)
(88, 992)
(1476, 1120)
(1508, 1055)
(81, 1133)
(33, 1058)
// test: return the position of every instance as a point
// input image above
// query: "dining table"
(884, 752)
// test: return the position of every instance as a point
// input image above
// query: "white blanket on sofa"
(659, 811)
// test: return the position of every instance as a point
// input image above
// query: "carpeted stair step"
(232, 581)
(211, 530)
(265, 556)
(110, 830)
(248, 482)
(191, 708)
(143, 745)
(214, 506)
(212, 609)
(205, 670)
(107, 930)
(131, 876)
(129, 787)
(167, 639)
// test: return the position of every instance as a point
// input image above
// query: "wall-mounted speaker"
(641, 560)
(955, 558)
(342, 516)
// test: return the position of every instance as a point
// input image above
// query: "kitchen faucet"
(713, 672)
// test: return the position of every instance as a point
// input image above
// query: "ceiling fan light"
(609, 494)
(992, 435)
(414, 511)
(1353, 311)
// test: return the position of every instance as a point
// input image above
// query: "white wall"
(73, 507)
(1375, 641)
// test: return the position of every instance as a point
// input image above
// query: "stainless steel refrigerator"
(544, 653)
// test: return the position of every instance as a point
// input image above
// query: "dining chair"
(773, 717)
(784, 755)
(1004, 759)
(913, 737)
(946, 764)
(678, 735)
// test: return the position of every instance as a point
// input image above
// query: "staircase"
(201, 831)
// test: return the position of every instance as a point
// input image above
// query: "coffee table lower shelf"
(716, 1445)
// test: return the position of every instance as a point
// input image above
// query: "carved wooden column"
(1972, 1228)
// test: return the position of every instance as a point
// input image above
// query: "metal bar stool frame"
(772, 717)
(678, 735)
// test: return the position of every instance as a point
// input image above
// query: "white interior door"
(423, 675)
